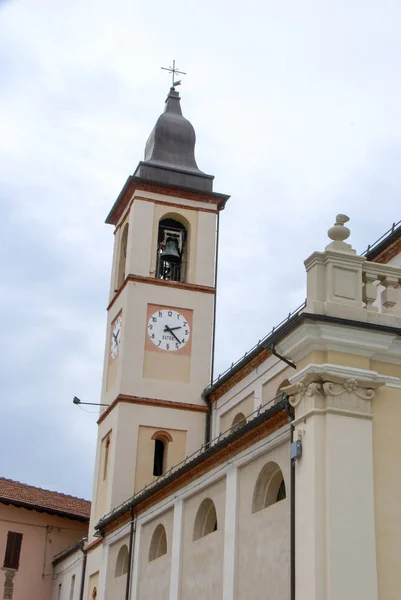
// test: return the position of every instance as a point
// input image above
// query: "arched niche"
(158, 543)
(172, 248)
(205, 520)
(122, 258)
(269, 487)
(121, 562)
(280, 394)
(238, 421)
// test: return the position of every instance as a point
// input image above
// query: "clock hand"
(172, 328)
(166, 328)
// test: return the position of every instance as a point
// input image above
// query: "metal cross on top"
(173, 71)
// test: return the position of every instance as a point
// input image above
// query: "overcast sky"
(296, 106)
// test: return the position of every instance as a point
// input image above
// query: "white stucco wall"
(263, 537)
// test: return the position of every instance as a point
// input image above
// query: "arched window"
(205, 520)
(121, 562)
(106, 456)
(238, 421)
(269, 488)
(158, 544)
(158, 459)
(171, 254)
(122, 257)
(161, 439)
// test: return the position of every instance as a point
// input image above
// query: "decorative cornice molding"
(151, 402)
(134, 184)
(377, 345)
(321, 389)
(176, 205)
(342, 372)
(193, 287)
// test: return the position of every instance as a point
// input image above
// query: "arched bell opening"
(171, 255)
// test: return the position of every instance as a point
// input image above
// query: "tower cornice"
(135, 183)
(151, 402)
(180, 285)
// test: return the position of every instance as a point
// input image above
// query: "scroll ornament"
(351, 386)
(329, 388)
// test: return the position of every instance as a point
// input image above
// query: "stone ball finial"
(339, 233)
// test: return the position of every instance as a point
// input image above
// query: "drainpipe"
(81, 592)
(48, 530)
(283, 358)
(131, 538)
(208, 421)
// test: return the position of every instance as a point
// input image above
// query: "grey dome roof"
(170, 151)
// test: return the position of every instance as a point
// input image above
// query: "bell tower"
(160, 314)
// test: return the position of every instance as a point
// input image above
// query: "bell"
(171, 253)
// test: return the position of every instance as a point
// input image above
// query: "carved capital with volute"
(320, 390)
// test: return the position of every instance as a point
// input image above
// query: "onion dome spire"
(170, 151)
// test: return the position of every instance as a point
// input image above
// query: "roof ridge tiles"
(29, 485)
(37, 498)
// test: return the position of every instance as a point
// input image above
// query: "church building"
(278, 480)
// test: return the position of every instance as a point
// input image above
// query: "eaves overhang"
(133, 183)
(44, 509)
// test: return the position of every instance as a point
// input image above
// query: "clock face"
(168, 330)
(116, 337)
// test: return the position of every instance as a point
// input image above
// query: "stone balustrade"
(342, 284)
(382, 288)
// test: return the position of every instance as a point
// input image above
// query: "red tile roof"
(30, 497)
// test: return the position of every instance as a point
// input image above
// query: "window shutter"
(13, 550)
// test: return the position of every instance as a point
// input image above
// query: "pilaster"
(335, 545)
(136, 563)
(176, 551)
(230, 532)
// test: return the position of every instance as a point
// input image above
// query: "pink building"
(35, 525)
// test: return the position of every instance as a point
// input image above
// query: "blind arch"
(158, 543)
(205, 520)
(269, 487)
